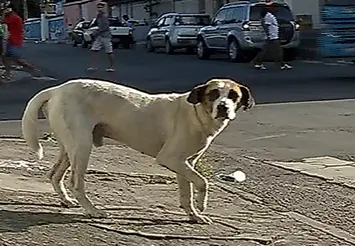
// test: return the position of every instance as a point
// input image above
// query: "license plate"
(115, 40)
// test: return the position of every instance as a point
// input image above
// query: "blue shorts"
(13, 51)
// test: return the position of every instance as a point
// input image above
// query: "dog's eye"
(213, 94)
(233, 95)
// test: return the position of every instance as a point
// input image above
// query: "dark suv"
(237, 31)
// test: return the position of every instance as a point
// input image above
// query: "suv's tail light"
(297, 26)
(246, 26)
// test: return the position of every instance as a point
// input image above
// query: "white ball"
(239, 176)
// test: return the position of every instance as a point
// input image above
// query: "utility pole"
(25, 10)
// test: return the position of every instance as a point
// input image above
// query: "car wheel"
(75, 44)
(202, 50)
(234, 52)
(149, 45)
(168, 47)
(84, 44)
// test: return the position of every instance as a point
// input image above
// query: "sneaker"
(110, 69)
(286, 66)
(91, 69)
(261, 67)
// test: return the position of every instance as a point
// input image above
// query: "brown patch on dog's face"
(222, 97)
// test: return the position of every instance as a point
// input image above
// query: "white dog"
(175, 129)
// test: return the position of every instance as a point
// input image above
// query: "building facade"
(308, 10)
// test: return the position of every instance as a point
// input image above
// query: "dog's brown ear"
(247, 100)
(197, 94)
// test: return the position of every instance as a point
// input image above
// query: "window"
(220, 17)
(115, 22)
(160, 22)
(93, 23)
(281, 12)
(86, 25)
(235, 14)
(169, 21)
(78, 26)
(192, 20)
(238, 14)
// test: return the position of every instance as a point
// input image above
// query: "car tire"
(235, 54)
(84, 44)
(149, 45)
(75, 44)
(202, 51)
(168, 47)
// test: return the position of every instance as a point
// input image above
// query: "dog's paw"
(201, 219)
(97, 213)
(69, 203)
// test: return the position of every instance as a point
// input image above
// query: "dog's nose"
(222, 111)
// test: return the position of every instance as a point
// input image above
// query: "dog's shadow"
(18, 221)
(22, 220)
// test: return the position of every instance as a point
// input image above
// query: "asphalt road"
(158, 72)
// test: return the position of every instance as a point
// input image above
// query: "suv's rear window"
(193, 20)
(282, 12)
(115, 22)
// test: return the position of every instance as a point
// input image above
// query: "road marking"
(267, 137)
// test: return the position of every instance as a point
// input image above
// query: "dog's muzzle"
(222, 112)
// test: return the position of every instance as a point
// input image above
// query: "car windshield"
(115, 22)
(86, 25)
(192, 20)
(282, 13)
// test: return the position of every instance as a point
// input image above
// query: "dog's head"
(222, 97)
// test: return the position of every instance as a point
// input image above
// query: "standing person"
(14, 44)
(272, 44)
(102, 37)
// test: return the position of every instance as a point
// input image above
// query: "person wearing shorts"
(14, 45)
(102, 38)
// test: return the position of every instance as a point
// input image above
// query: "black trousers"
(271, 48)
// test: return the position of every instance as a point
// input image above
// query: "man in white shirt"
(272, 44)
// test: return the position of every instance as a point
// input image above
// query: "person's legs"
(95, 48)
(109, 51)
(279, 56)
(14, 53)
(259, 58)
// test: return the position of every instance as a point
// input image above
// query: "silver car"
(173, 30)
(236, 30)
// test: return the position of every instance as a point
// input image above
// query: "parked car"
(174, 30)
(237, 31)
(120, 34)
(77, 34)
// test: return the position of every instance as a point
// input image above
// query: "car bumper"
(257, 42)
(122, 38)
(185, 42)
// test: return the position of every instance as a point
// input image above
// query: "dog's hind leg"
(56, 175)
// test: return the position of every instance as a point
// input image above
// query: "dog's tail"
(30, 119)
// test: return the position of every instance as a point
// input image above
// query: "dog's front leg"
(187, 176)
